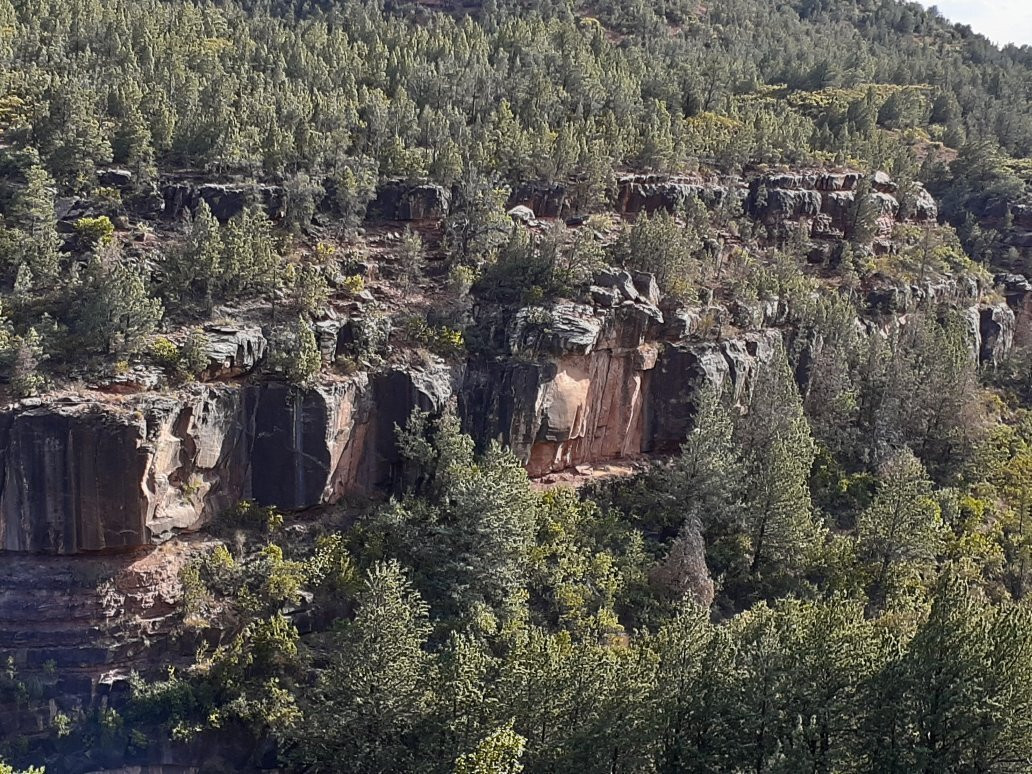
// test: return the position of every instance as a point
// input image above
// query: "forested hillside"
(514, 386)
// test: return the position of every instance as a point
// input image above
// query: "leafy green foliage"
(502, 649)
(95, 232)
(659, 245)
(498, 753)
(857, 514)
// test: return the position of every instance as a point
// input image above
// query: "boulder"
(225, 201)
(523, 215)
(115, 178)
(620, 280)
(887, 203)
(424, 202)
(233, 350)
(880, 181)
(683, 574)
(997, 334)
(647, 287)
(604, 297)
(1021, 213)
(925, 207)
(565, 327)
(327, 334)
(837, 206)
(1017, 290)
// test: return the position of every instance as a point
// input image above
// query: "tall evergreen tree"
(902, 529)
(779, 451)
(367, 712)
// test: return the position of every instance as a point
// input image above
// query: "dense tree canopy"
(831, 572)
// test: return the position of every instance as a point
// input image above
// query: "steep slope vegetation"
(313, 312)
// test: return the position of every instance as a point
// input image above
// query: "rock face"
(233, 350)
(72, 480)
(648, 193)
(75, 628)
(826, 199)
(1018, 292)
(545, 200)
(402, 201)
(81, 476)
(182, 197)
(996, 333)
(612, 377)
(581, 385)
(575, 383)
(820, 199)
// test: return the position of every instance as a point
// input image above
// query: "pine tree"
(862, 218)
(829, 653)
(463, 703)
(76, 140)
(658, 244)
(831, 395)
(779, 451)
(902, 528)
(33, 212)
(26, 379)
(356, 188)
(368, 707)
(303, 196)
(304, 359)
(658, 148)
(410, 256)
(472, 529)
(194, 269)
(306, 286)
(693, 662)
(705, 478)
(113, 311)
(249, 261)
(960, 697)
(498, 753)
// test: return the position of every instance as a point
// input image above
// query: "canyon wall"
(611, 376)
(82, 474)
(564, 386)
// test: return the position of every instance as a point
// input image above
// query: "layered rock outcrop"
(821, 200)
(177, 198)
(611, 377)
(87, 475)
(584, 384)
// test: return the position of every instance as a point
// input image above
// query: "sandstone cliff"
(83, 474)
(611, 378)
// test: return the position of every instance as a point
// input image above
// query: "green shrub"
(94, 232)
(164, 352)
(439, 339)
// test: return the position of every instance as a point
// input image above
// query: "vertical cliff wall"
(90, 475)
(612, 378)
